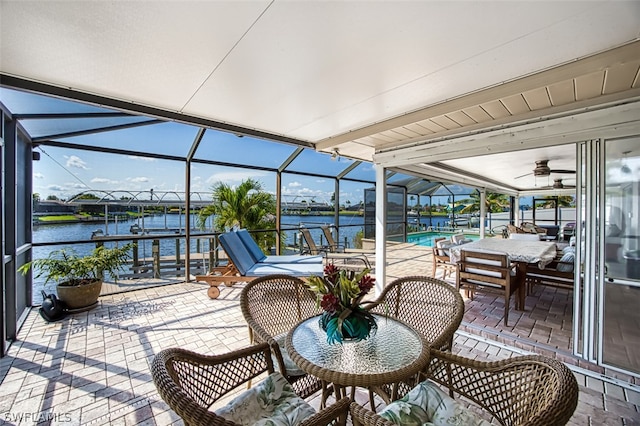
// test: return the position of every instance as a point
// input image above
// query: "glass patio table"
(395, 353)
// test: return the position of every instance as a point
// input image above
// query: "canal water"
(171, 223)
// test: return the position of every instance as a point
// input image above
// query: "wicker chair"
(519, 391)
(191, 383)
(272, 305)
(431, 306)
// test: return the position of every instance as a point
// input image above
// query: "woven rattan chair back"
(190, 383)
(432, 306)
(522, 390)
(272, 305)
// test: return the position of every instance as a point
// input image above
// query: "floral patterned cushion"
(427, 405)
(272, 402)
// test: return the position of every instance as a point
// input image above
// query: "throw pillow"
(272, 402)
(566, 262)
(427, 404)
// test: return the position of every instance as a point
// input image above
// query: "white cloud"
(138, 158)
(294, 184)
(104, 180)
(56, 188)
(38, 175)
(74, 161)
(138, 179)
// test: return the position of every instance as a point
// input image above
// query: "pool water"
(427, 238)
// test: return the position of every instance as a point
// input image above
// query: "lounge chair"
(242, 266)
(259, 256)
(335, 247)
(358, 259)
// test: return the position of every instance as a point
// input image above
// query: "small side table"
(395, 353)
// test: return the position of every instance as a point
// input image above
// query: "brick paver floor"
(93, 367)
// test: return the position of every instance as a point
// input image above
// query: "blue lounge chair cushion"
(257, 254)
(247, 266)
(294, 269)
(237, 252)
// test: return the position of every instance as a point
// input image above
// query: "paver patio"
(93, 367)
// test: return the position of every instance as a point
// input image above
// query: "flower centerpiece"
(340, 295)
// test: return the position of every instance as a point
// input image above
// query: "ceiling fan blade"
(528, 174)
(562, 171)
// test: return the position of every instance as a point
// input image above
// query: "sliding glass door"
(620, 313)
(607, 298)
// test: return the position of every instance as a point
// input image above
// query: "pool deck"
(93, 367)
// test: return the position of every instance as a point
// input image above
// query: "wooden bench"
(550, 276)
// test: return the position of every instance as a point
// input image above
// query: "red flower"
(330, 303)
(331, 271)
(366, 283)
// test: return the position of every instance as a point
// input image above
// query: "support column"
(483, 211)
(381, 228)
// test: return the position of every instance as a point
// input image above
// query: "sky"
(63, 173)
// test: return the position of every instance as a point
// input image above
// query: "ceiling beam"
(581, 66)
(618, 121)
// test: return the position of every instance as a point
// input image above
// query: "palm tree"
(245, 206)
(493, 202)
(563, 201)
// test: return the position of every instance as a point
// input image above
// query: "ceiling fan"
(557, 184)
(542, 169)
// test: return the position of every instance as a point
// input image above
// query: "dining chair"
(491, 272)
(441, 259)
(273, 305)
(524, 390)
(194, 386)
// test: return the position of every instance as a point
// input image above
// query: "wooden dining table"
(523, 252)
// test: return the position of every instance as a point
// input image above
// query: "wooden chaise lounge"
(243, 267)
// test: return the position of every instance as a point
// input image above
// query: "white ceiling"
(360, 76)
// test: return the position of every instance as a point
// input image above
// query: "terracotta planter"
(76, 297)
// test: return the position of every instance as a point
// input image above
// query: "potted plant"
(79, 278)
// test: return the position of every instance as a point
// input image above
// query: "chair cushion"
(295, 269)
(566, 262)
(272, 402)
(237, 251)
(445, 246)
(256, 252)
(455, 239)
(426, 404)
(488, 262)
(253, 248)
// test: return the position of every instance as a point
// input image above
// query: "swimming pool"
(426, 238)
